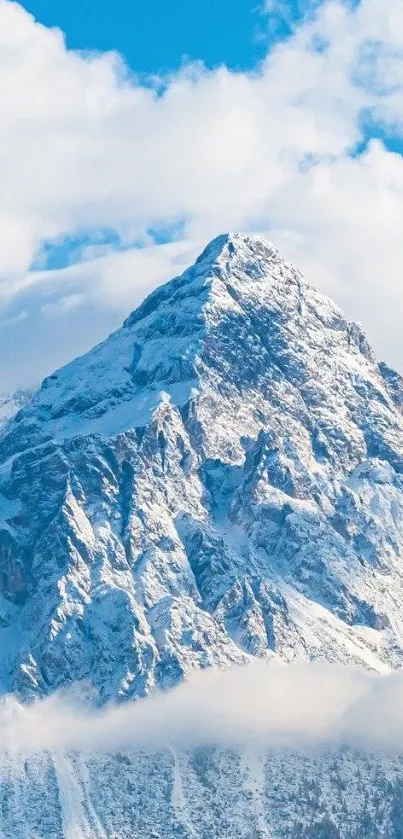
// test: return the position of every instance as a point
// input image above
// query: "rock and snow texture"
(207, 793)
(11, 403)
(220, 479)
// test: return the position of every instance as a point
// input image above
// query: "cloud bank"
(258, 705)
(305, 148)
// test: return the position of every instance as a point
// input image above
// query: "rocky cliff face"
(221, 479)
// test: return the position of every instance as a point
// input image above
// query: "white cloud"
(52, 316)
(86, 146)
(268, 706)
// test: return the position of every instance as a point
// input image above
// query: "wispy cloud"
(297, 706)
(52, 316)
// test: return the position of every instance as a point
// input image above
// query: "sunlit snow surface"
(219, 480)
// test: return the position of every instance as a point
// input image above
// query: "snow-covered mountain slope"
(11, 403)
(220, 479)
(204, 794)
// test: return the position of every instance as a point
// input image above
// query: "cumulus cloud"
(86, 146)
(296, 706)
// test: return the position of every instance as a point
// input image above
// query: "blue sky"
(154, 35)
(112, 182)
(157, 37)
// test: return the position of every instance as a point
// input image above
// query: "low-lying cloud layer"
(298, 706)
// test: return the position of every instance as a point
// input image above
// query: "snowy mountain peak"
(164, 345)
(251, 257)
(230, 248)
(11, 403)
(220, 479)
(239, 320)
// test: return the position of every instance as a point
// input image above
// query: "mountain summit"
(220, 479)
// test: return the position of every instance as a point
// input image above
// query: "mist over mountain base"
(200, 761)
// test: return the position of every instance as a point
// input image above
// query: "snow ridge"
(220, 479)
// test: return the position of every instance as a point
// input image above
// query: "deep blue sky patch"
(155, 35)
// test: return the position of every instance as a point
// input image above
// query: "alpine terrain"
(220, 480)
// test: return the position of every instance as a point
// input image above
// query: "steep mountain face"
(220, 479)
(11, 403)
